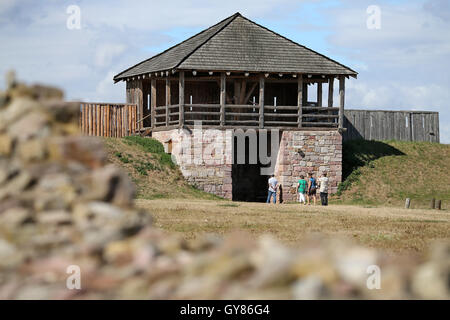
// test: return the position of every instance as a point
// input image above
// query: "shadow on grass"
(359, 153)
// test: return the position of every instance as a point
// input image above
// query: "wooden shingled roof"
(239, 44)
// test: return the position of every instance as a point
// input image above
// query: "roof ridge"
(298, 44)
(232, 17)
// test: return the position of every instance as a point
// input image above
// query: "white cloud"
(401, 66)
(404, 63)
(106, 52)
(107, 91)
(5, 5)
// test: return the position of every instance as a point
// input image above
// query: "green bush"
(154, 147)
(148, 144)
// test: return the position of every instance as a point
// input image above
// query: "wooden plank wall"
(391, 125)
(108, 119)
(135, 95)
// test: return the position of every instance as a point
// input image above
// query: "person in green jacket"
(301, 189)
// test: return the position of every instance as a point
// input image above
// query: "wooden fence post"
(90, 120)
(407, 203)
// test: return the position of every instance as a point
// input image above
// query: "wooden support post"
(432, 203)
(341, 101)
(319, 94)
(168, 102)
(237, 90)
(222, 98)
(153, 102)
(261, 101)
(300, 99)
(439, 204)
(305, 93)
(139, 100)
(181, 98)
(330, 91)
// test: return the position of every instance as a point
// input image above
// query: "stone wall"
(207, 168)
(63, 208)
(303, 152)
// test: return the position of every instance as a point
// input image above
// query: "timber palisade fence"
(391, 125)
(109, 119)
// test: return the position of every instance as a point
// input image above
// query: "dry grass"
(394, 229)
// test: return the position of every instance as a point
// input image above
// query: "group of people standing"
(306, 189)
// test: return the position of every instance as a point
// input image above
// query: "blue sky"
(404, 65)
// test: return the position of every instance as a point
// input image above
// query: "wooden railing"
(109, 119)
(119, 120)
(247, 116)
(319, 117)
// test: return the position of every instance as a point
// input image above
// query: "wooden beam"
(300, 100)
(140, 100)
(319, 94)
(153, 102)
(181, 97)
(223, 96)
(168, 102)
(250, 93)
(242, 92)
(330, 91)
(261, 101)
(305, 93)
(341, 101)
(237, 91)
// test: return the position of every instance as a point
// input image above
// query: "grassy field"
(386, 173)
(394, 229)
(378, 177)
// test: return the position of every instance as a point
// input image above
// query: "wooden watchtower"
(236, 74)
(240, 75)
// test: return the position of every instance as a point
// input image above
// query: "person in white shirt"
(323, 189)
(273, 185)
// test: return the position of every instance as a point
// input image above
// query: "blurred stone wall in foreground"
(62, 205)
